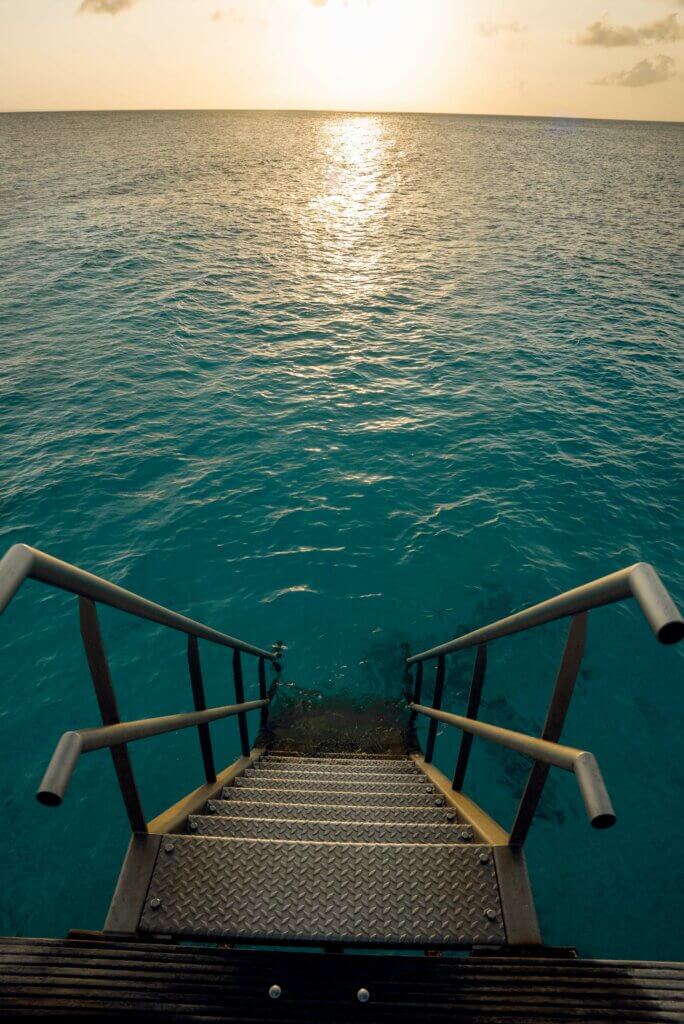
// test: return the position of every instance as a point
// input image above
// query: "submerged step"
(332, 811)
(278, 891)
(308, 794)
(327, 831)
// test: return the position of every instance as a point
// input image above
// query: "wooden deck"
(91, 979)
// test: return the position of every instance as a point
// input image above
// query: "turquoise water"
(352, 381)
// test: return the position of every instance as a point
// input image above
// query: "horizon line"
(324, 110)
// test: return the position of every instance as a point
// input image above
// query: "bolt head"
(155, 903)
(168, 847)
(363, 995)
(439, 801)
(484, 858)
(275, 992)
(192, 826)
(490, 914)
(467, 836)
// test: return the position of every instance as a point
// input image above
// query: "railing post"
(104, 691)
(553, 726)
(473, 707)
(417, 693)
(436, 704)
(263, 695)
(200, 705)
(240, 699)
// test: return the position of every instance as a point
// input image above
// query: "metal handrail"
(639, 581)
(581, 762)
(22, 562)
(82, 741)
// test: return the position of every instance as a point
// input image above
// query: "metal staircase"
(346, 850)
(338, 851)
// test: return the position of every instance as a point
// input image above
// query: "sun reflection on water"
(342, 225)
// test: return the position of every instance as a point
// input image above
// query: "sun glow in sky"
(469, 56)
(354, 51)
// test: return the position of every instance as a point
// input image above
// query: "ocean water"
(350, 381)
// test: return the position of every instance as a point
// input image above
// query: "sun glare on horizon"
(361, 55)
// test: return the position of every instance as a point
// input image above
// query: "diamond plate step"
(276, 783)
(264, 771)
(336, 755)
(336, 796)
(401, 767)
(383, 894)
(329, 812)
(327, 831)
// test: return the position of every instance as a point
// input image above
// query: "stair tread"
(399, 767)
(336, 755)
(330, 831)
(324, 782)
(310, 794)
(276, 890)
(328, 811)
(266, 772)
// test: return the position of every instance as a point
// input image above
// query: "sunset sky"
(589, 58)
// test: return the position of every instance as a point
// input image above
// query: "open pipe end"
(601, 821)
(48, 798)
(56, 780)
(671, 632)
(661, 612)
(596, 800)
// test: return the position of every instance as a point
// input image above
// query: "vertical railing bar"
(417, 693)
(104, 692)
(474, 698)
(436, 704)
(553, 726)
(199, 698)
(239, 699)
(263, 695)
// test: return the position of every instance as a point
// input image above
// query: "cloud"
(104, 6)
(235, 17)
(601, 33)
(493, 28)
(646, 72)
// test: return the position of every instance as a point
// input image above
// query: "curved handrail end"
(57, 777)
(593, 789)
(661, 612)
(15, 565)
